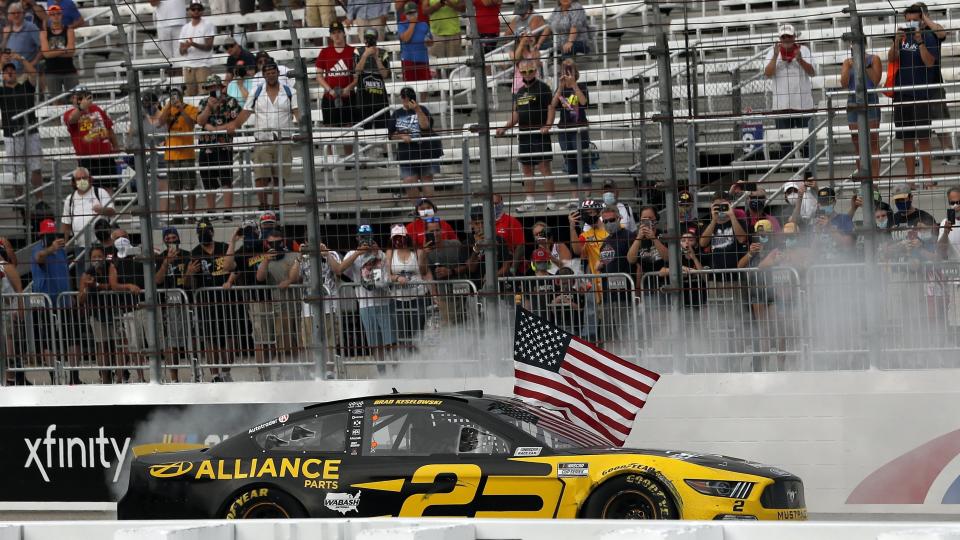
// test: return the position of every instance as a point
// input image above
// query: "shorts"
(194, 78)
(419, 169)
(58, 83)
(378, 327)
(416, 71)
(912, 118)
(262, 318)
(135, 329)
(337, 116)
(181, 180)
(216, 178)
(320, 13)
(489, 42)
(20, 151)
(446, 46)
(103, 331)
(174, 321)
(330, 328)
(265, 156)
(873, 112)
(100, 168)
(534, 143)
(359, 25)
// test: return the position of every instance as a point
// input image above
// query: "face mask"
(757, 204)
(612, 227)
(903, 205)
(206, 236)
(541, 267)
(498, 210)
(122, 243)
(97, 265)
(609, 199)
(790, 242)
(763, 239)
(83, 185)
(723, 217)
(882, 223)
(792, 198)
(399, 242)
(529, 81)
(827, 208)
(926, 236)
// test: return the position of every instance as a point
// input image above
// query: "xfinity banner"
(83, 453)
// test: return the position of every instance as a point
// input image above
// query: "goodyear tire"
(263, 502)
(630, 496)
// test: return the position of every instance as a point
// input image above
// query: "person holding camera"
(301, 273)
(173, 265)
(216, 145)
(274, 271)
(560, 255)
(791, 67)
(415, 40)
(335, 67)
(92, 135)
(941, 110)
(408, 124)
(948, 243)
(94, 306)
(221, 323)
(917, 49)
(242, 82)
(180, 118)
(406, 269)
(647, 248)
(833, 231)
(235, 55)
(50, 272)
(372, 69)
(725, 236)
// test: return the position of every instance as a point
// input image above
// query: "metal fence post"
(736, 97)
(579, 162)
(830, 117)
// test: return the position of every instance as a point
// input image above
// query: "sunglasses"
(431, 219)
(527, 71)
(611, 220)
(954, 203)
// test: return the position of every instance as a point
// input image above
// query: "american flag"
(595, 390)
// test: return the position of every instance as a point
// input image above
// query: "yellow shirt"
(592, 242)
(180, 124)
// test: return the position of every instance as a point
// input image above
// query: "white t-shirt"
(170, 13)
(954, 253)
(330, 283)
(368, 272)
(196, 58)
(272, 117)
(792, 87)
(78, 210)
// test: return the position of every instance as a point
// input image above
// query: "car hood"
(715, 461)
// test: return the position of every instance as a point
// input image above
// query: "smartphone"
(951, 215)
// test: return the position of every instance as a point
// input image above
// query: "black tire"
(262, 502)
(630, 496)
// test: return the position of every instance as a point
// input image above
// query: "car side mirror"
(469, 439)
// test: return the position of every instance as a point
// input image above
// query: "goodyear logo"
(317, 473)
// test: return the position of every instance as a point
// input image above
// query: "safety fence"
(900, 315)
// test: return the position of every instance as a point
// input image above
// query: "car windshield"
(548, 427)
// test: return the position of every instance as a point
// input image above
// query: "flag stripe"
(557, 421)
(621, 369)
(554, 401)
(562, 396)
(586, 372)
(614, 359)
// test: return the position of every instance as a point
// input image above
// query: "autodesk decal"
(49, 453)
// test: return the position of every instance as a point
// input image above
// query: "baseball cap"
(476, 213)
(540, 255)
(270, 64)
(336, 26)
(409, 93)
(900, 191)
(47, 226)
(268, 217)
(826, 193)
(787, 30)
(196, 3)
(203, 224)
(80, 90)
(685, 197)
(521, 7)
(410, 7)
(213, 80)
(53, 8)
(787, 186)
(763, 225)
(364, 229)
(398, 230)
(229, 42)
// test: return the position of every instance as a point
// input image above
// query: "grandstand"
(717, 52)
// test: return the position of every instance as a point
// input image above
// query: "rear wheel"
(630, 496)
(263, 503)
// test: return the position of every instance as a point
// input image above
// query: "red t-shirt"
(510, 229)
(91, 133)
(417, 229)
(488, 18)
(337, 67)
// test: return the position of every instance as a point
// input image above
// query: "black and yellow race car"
(457, 454)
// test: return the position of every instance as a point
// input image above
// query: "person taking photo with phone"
(724, 240)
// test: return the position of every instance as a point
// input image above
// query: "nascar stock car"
(447, 454)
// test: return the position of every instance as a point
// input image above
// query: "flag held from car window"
(594, 389)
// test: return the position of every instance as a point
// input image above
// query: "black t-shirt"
(98, 304)
(249, 61)
(613, 253)
(725, 250)
(129, 271)
(904, 222)
(572, 112)
(532, 103)
(247, 262)
(211, 273)
(13, 101)
(176, 270)
(371, 89)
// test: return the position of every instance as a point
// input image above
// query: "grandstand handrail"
(742, 84)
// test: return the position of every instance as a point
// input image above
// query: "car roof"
(475, 398)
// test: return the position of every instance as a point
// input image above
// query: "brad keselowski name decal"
(317, 473)
(49, 453)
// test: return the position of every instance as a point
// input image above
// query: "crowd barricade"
(29, 337)
(736, 320)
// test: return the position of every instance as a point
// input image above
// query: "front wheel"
(630, 496)
(263, 503)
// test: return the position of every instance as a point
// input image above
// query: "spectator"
(172, 268)
(91, 132)
(149, 111)
(95, 307)
(560, 255)
(588, 242)
(444, 16)
(509, 229)
(761, 292)
(216, 146)
(940, 110)
(365, 266)
(918, 51)
(446, 260)
(301, 273)
(21, 37)
(647, 248)
(425, 210)
(211, 263)
(757, 209)
(614, 253)
(689, 217)
(196, 48)
(12, 314)
(949, 240)
(23, 151)
(533, 113)
(908, 217)
(791, 67)
(236, 54)
(335, 66)
(526, 49)
(408, 124)
(274, 271)
(85, 205)
(169, 19)
(571, 99)
(50, 272)
(488, 23)
(694, 285)
(614, 300)
(126, 276)
(247, 260)
(566, 305)
(7, 252)
(58, 45)
(568, 23)
(525, 19)
(371, 72)
(804, 204)
(71, 14)
(264, 58)
(320, 13)
(611, 197)
(276, 115)
(833, 232)
(406, 270)
(242, 83)
(415, 38)
(725, 236)
(504, 258)
(538, 293)
(849, 80)
(368, 15)
(179, 118)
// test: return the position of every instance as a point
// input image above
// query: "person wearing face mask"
(647, 248)
(510, 230)
(757, 209)
(801, 200)
(406, 269)
(85, 205)
(724, 239)
(587, 243)
(126, 276)
(274, 271)
(423, 210)
(533, 112)
(908, 217)
(95, 307)
(611, 197)
(948, 244)
(172, 269)
(613, 259)
(833, 232)
(539, 292)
